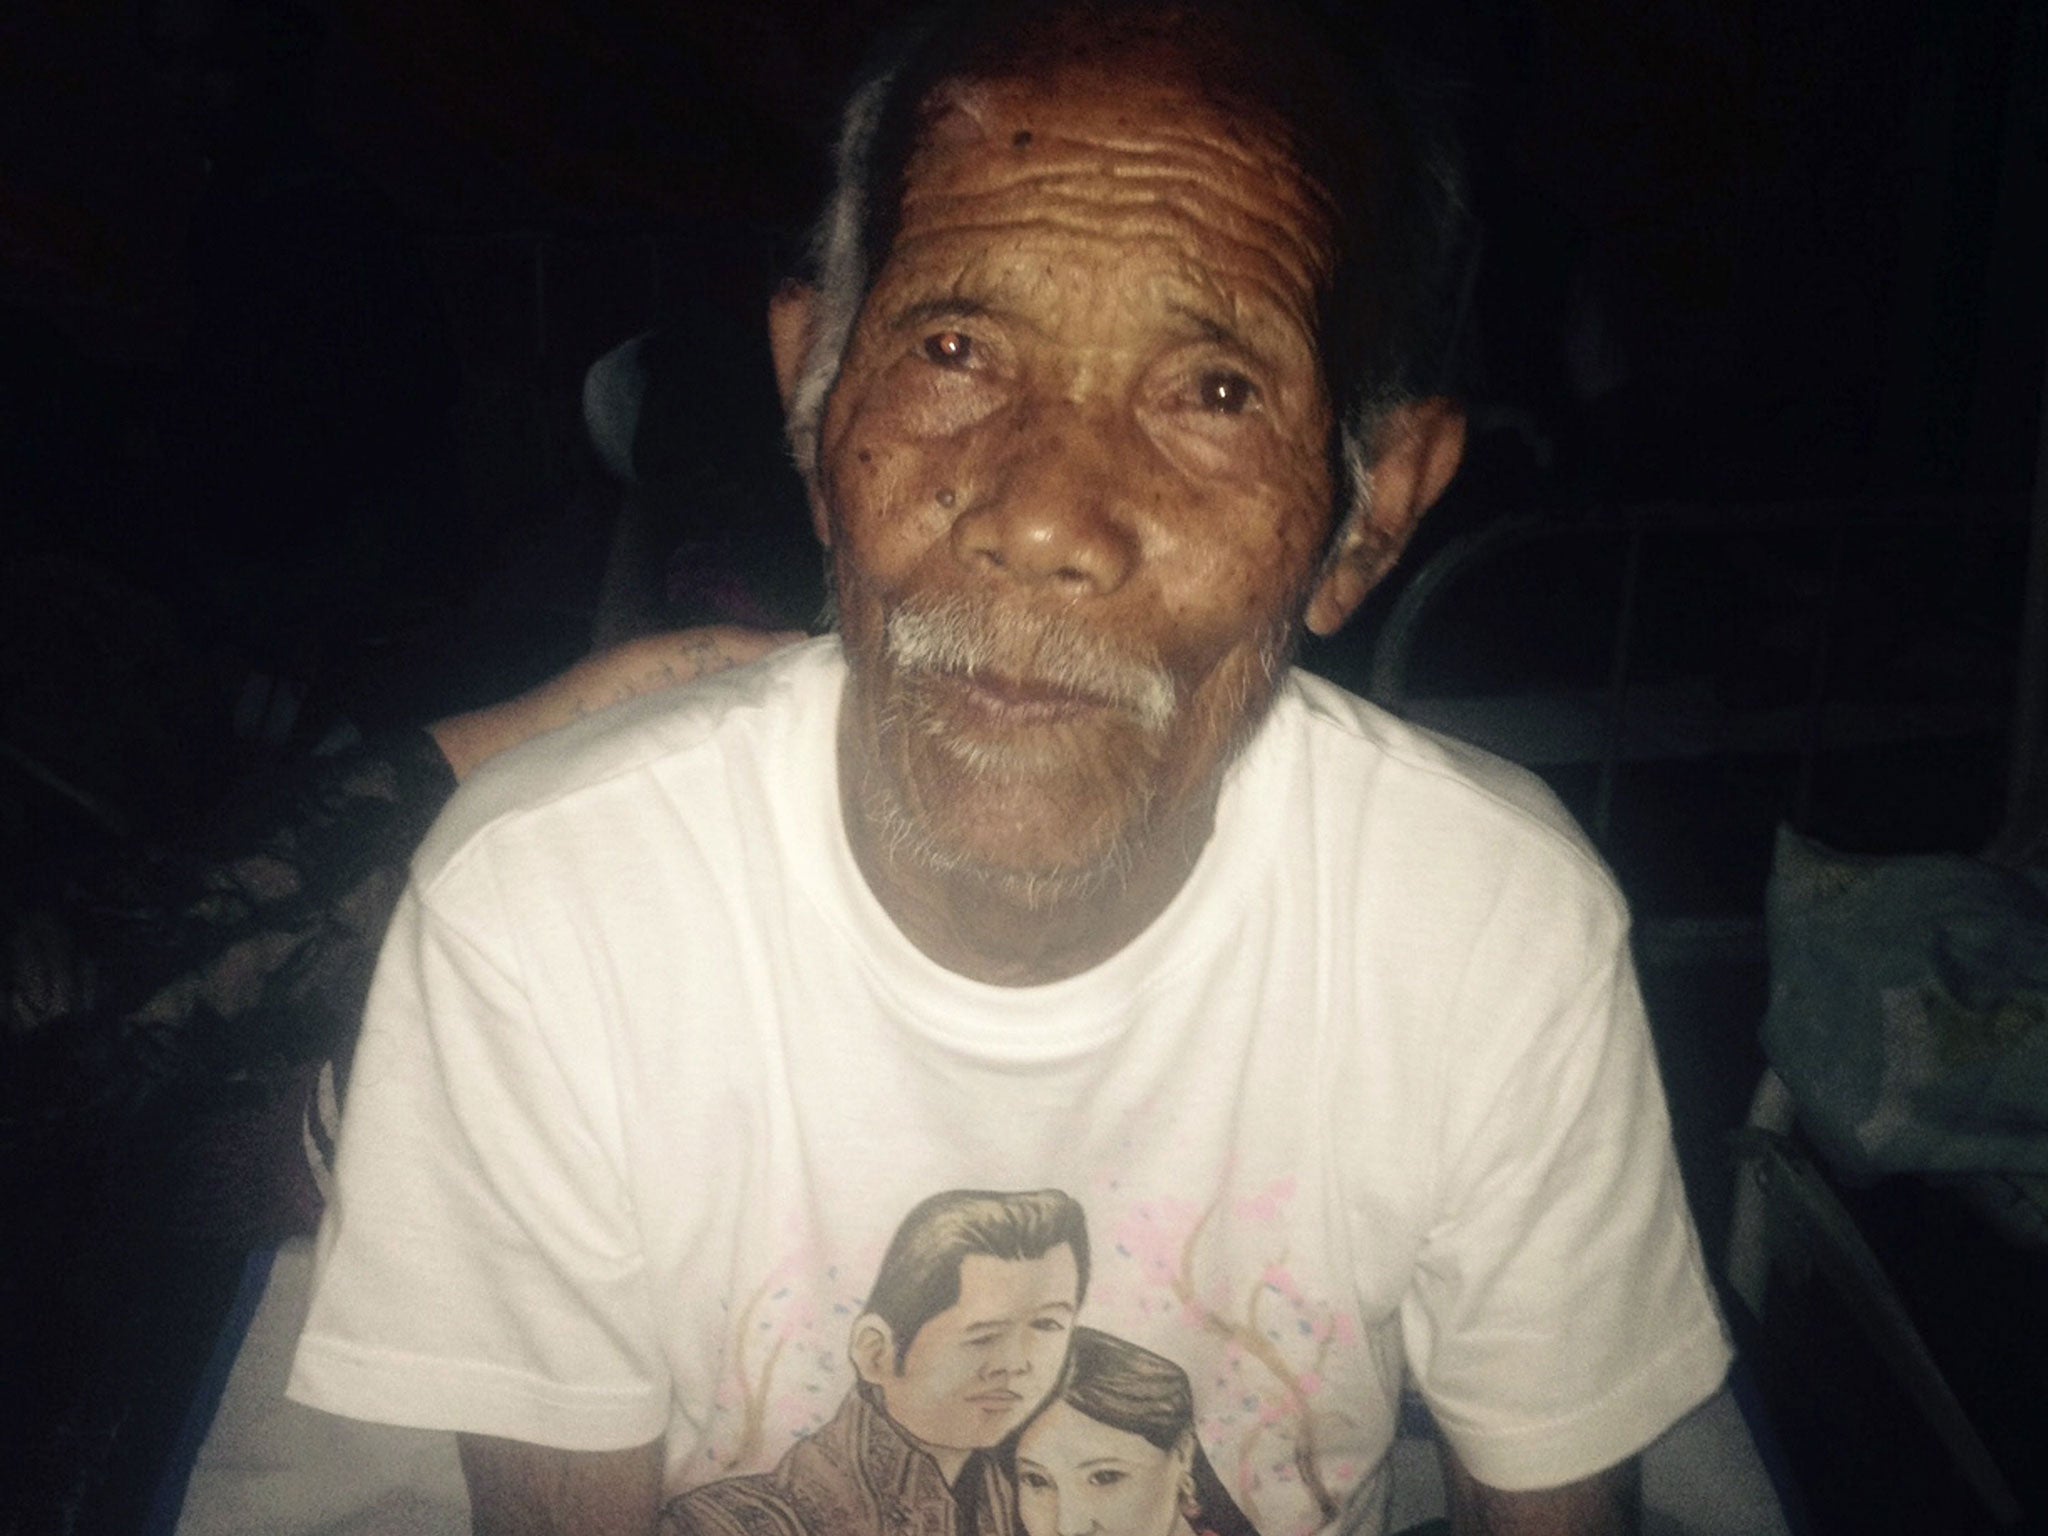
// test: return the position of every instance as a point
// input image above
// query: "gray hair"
(840, 268)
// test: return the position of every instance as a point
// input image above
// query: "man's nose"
(1012, 1356)
(1056, 508)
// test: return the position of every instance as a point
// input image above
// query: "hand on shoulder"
(642, 666)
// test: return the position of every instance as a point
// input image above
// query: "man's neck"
(947, 1459)
(992, 930)
(950, 1461)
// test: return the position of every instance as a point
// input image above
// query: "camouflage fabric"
(153, 1081)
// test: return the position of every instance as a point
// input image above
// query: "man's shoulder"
(728, 723)
(1425, 780)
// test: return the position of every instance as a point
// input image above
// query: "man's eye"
(1048, 1325)
(1226, 393)
(1106, 1477)
(949, 349)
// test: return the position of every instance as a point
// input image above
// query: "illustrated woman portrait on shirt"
(1113, 1452)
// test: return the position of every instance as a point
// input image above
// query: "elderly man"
(1045, 873)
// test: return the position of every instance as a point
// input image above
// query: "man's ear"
(792, 322)
(1419, 449)
(872, 1349)
(792, 325)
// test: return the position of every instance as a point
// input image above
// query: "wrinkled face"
(981, 1367)
(1075, 470)
(1078, 1475)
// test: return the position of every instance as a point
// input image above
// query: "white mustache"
(967, 638)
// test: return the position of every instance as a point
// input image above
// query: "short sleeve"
(1561, 1316)
(478, 1267)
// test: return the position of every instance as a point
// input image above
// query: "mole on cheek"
(1022, 140)
(946, 498)
(865, 456)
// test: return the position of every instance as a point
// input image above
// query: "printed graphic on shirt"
(1269, 1342)
(982, 1406)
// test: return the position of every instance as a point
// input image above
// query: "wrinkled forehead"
(1134, 143)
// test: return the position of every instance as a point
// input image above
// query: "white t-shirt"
(649, 1079)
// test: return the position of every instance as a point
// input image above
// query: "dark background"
(296, 297)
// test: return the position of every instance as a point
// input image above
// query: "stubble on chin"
(939, 795)
(1095, 789)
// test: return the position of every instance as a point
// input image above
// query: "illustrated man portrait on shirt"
(1118, 370)
(961, 1341)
